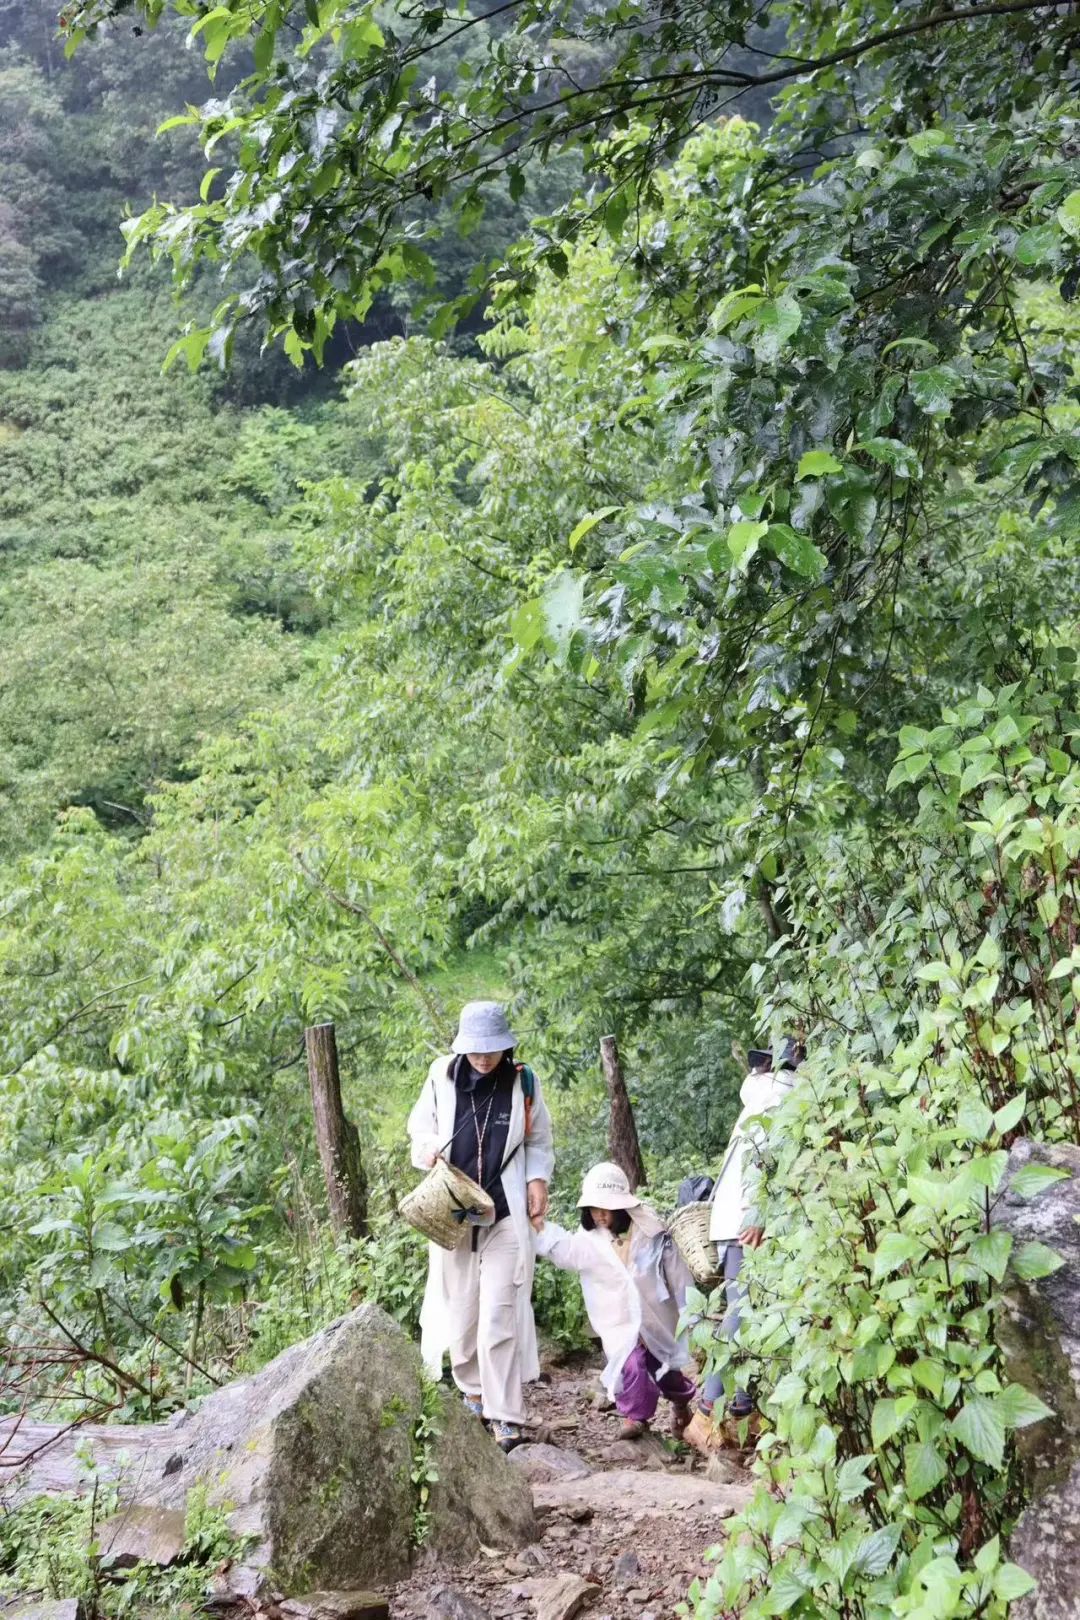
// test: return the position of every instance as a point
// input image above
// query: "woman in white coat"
(486, 1115)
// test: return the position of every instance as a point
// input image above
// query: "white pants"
(485, 1355)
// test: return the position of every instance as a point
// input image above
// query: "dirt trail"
(632, 1518)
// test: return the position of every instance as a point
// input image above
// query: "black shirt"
(482, 1125)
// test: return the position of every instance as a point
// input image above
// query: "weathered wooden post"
(338, 1138)
(624, 1148)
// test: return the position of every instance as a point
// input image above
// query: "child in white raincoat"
(634, 1281)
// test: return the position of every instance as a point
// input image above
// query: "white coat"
(431, 1126)
(731, 1214)
(626, 1303)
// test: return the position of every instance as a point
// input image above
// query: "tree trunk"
(338, 1139)
(623, 1146)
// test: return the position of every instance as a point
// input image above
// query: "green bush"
(939, 976)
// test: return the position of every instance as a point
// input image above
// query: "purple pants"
(641, 1389)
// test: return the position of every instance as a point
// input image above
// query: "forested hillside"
(658, 610)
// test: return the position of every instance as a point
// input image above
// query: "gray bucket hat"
(482, 1027)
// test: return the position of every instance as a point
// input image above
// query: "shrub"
(938, 975)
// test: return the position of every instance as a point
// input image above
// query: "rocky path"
(625, 1525)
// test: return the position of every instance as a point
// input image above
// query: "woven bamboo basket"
(439, 1206)
(690, 1230)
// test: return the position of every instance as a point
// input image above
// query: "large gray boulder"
(1040, 1337)
(314, 1458)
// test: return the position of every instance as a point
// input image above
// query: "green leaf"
(885, 1420)
(851, 1477)
(1032, 1179)
(1034, 1260)
(1010, 1114)
(796, 551)
(979, 1426)
(934, 389)
(1069, 215)
(734, 306)
(974, 1120)
(588, 522)
(929, 1375)
(991, 1252)
(891, 453)
(1037, 245)
(1012, 1582)
(743, 539)
(1018, 1407)
(926, 141)
(776, 320)
(924, 1469)
(527, 624)
(563, 605)
(817, 464)
(876, 1551)
(894, 1251)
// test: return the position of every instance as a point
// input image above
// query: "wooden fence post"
(338, 1138)
(623, 1146)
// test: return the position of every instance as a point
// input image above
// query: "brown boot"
(632, 1429)
(680, 1418)
(700, 1434)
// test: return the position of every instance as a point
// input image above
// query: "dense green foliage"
(687, 653)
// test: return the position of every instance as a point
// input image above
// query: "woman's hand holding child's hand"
(538, 1204)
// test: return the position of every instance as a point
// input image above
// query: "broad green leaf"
(796, 551)
(1010, 1114)
(934, 389)
(1034, 1260)
(1018, 1407)
(894, 1251)
(891, 453)
(1069, 215)
(885, 1420)
(743, 539)
(563, 604)
(991, 1252)
(817, 464)
(1032, 1179)
(1012, 1582)
(924, 1469)
(876, 1551)
(926, 141)
(851, 1477)
(776, 320)
(587, 523)
(979, 1426)
(734, 306)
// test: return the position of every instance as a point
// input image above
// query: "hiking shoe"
(680, 1419)
(507, 1435)
(475, 1405)
(700, 1434)
(632, 1429)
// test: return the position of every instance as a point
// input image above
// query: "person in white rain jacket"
(634, 1281)
(734, 1225)
(486, 1114)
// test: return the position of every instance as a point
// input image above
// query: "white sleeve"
(570, 1251)
(423, 1125)
(540, 1147)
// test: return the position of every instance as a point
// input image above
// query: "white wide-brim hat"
(482, 1027)
(606, 1186)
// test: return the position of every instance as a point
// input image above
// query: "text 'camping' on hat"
(607, 1186)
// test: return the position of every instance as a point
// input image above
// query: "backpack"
(528, 1091)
